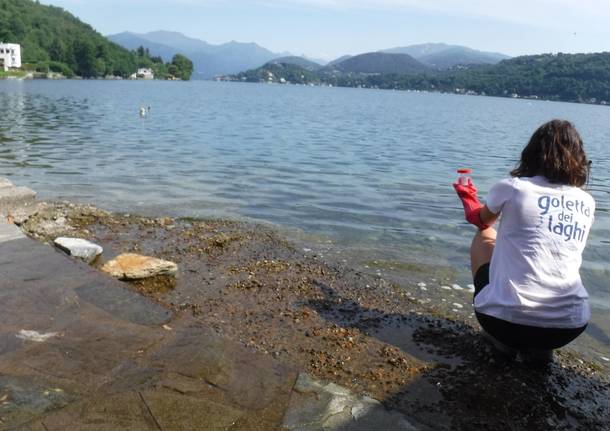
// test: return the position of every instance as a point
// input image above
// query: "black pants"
(520, 336)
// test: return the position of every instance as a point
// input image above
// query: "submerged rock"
(130, 266)
(80, 248)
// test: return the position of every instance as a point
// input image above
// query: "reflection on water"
(371, 169)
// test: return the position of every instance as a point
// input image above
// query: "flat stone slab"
(16, 195)
(80, 248)
(24, 397)
(176, 411)
(316, 406)
(10, 232)
(80, 351)
(124, 304)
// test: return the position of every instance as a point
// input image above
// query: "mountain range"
(443, 56)
(378, 62)
(209, 60)
(234, 57)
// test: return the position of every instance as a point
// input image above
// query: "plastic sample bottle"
(464, 177)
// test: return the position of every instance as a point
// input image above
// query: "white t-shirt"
(534, 275)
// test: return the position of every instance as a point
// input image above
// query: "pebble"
(605, 359)
(445, 287)
(421, 284)
(457, 287)
(458, 305)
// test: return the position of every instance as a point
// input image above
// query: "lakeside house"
(143, 73)
(10, 56)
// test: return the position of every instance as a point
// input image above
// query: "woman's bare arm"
(487, 217)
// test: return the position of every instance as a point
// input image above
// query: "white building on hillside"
(145, 73)
(10, 56)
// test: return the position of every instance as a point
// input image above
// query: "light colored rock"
(130, 266)
(80, 248)
(35, 336)
(5, 183)
(316, 406)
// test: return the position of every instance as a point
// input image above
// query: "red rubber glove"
(472, 206)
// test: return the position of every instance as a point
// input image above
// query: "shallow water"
(370, 170)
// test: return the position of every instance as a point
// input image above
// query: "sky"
(328, 29)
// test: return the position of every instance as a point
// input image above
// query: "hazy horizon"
(328, 29)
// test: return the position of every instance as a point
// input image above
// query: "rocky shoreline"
(379, 339)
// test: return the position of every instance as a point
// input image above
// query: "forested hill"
(52, 38)
(566, 77)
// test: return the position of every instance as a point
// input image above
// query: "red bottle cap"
(464, 171)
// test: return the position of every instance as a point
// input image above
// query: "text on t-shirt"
(563, 223)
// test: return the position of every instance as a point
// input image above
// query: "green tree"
(183, 67)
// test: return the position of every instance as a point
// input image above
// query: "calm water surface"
(371, 170)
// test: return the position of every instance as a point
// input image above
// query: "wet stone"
(131, 266)
(24, 398)
(174, 411)
(247, 380)
(9, 232)
(316, 406)
(125, 411)
(124, 304)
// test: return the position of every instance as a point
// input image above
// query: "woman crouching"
(529, 297)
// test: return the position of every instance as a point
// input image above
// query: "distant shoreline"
(465, 93)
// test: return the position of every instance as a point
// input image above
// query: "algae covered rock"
(130, 266)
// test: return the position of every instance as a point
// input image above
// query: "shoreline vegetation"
(575, 78)
(284, 299)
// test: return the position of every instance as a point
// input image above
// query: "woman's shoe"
(500, 347)
(536, 357)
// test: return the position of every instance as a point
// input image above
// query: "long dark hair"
(556, 152)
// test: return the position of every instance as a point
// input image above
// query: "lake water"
(369, 170)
